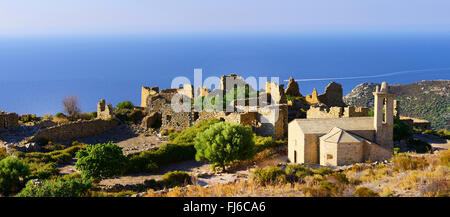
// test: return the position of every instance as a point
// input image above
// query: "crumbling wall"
(332, 96)
(324, 112)
(292, 88)
(313, 98)
(8, 120)
(202, 91)
(355, 111)
(104, 112)
(146, 92)
(74, 130)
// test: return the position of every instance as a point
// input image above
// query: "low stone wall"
(8, 120)
(74, 130)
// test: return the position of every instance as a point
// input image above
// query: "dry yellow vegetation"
(407, 175)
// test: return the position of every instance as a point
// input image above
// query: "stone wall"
(324, 112)
(104, 112)
(374, 152)
(313, 98)
(74, 130)
(146, 92)
(275, 115)
(8, 120)
(355, 111)
(336, 112)
(332, 96)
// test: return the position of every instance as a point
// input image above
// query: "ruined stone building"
(416, 123)
(344, 140)
(267, 120)
(8, 121)
(104, 112)
(331, 105)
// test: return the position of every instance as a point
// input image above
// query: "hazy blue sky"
(28, 17)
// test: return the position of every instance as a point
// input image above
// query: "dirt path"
(195, 168)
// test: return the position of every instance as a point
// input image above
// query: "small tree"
(12, 174)
(101, 161)
(125, 105)
(71, 106)
(224, 143)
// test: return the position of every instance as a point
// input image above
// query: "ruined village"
(317, 143)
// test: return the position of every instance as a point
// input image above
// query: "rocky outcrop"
(292, 88)
(332, 96)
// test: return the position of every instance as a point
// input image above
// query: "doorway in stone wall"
(295, 156)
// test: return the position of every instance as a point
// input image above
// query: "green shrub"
(365, 192)
(125, 105)
(135, 116)
(58, 156)
(101, 161)
(187, 136)
(295, 172)
(324, 171)
(176, 178)
(268, 142)
(57, 188)
(225, 142)
(29, 118)
(150, 161)
(13, 172)
(60, 115)
(270, 175)
(401, 130)
(43, 171)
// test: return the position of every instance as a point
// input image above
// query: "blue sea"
(37, 72)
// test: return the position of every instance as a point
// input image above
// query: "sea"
(36, 73)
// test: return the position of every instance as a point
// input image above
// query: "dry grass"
(408, 175)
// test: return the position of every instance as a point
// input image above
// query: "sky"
(59, 17)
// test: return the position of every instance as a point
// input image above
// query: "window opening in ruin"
(329, 156)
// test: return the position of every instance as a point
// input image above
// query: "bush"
(12, 174)
(187, 136)
(58, 156)
(365, 192)
(43, 171)
(270, 175)
(150, 161)
(57, 188)
(295, 172)
(125, 105)
(60, 115)
(225, 142)
(176, 178)
(419, 146)
(401, 130)
(268, 142)
(324, 171)
(101, 161)
(27, 118)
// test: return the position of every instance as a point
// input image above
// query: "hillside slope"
(429, 100)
